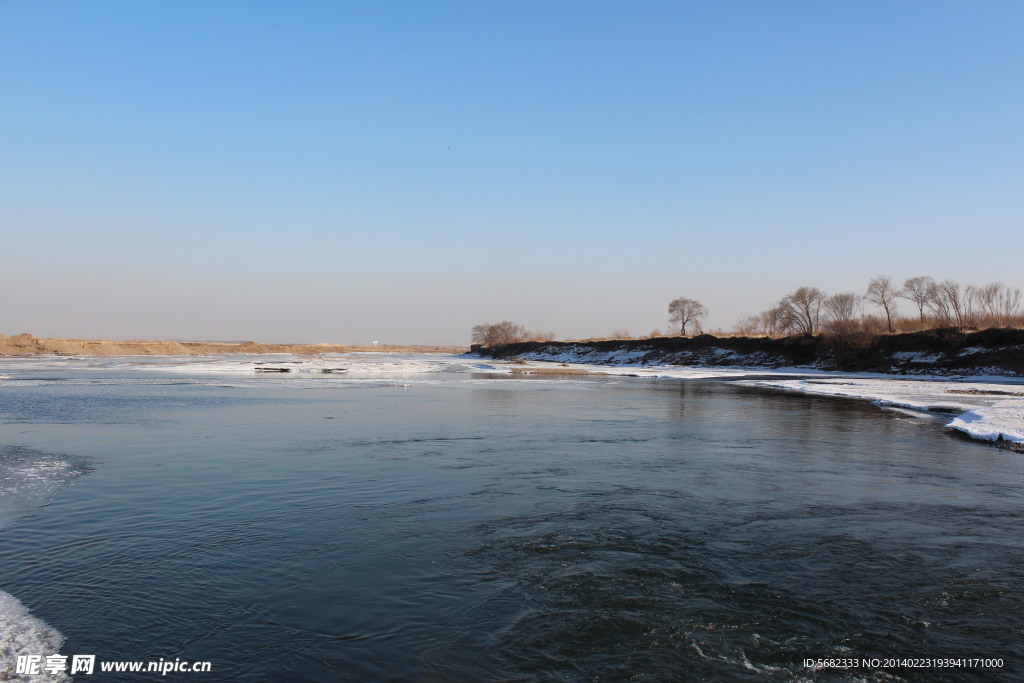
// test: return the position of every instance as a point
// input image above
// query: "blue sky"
(401, 171)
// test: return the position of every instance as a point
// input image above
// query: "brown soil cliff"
(941, 351)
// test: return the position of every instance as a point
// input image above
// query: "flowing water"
(428, 519)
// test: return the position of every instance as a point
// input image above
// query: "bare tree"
(748, 325)
(803, 308)
(842, 315)
(771, 323)
(684, 311)
(986, 298)
(496, 334)
(949, 304)
(1008, 305)
(841, 309)
(777, 320)
(973, 308)
(997, 302)
(919, 290)
(881, 292)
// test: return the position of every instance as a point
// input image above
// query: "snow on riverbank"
(988, 408)
(927, 353)
(988, 405)
(984, 407)
(990, 411)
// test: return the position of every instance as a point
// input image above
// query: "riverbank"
(26, 344)
(932, 352)
(973, 381)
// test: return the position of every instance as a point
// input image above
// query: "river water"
(432, 520)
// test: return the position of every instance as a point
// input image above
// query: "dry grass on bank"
(26, 344)
(860, 331)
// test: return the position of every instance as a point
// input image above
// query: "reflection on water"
(579, 529)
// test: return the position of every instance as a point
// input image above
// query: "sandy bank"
(26, 344)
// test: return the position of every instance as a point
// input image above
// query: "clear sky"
(401, 171)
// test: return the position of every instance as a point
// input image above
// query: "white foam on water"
(23, 634)
(28, 482)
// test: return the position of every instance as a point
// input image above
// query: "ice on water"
(23, 634)
(987, 407)
(984, 410)
(244, 365)
(28, 481)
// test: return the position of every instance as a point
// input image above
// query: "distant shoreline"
(27, 345)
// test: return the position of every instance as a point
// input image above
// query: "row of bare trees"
(809, 310)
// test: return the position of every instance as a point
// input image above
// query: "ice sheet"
(29, 479)
(244, 365)
(985, 410)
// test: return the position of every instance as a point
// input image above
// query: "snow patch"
(987, 411)
(917, 357)
(1001, 421)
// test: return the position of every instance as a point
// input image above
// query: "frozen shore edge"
(911, 371)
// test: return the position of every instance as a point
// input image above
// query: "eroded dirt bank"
(947, 352)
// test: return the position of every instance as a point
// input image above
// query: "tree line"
(812, 311)
(809, 310)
